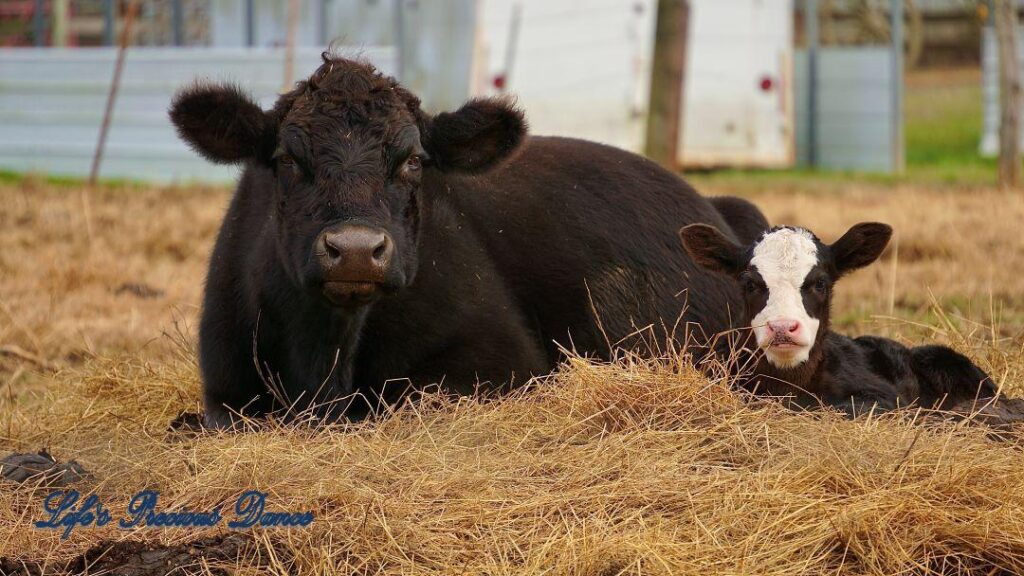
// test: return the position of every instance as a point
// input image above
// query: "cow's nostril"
(382, 252)
(783, 326)
(329, 248)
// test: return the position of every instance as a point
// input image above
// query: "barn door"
(738, 92)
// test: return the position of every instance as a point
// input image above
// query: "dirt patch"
(140, 290)
(142, 559)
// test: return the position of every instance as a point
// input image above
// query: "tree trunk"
(668, 71)
(1009, 94)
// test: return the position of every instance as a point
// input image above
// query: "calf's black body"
(858, 375)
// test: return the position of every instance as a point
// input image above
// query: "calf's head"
(786, 277)
(347, 149)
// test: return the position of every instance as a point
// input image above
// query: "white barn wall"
(729, 119)
(592, 79)
(581, 69)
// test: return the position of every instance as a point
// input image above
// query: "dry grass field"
(636, 468)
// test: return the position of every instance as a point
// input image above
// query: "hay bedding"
(636, 469)
(632, 468)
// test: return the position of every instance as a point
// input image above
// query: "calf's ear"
(476, 137)
(711, 249)
(223, 124)
(861, 245)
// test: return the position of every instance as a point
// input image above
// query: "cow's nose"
(784, 326)
(355, 253)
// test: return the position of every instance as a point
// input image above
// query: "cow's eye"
(821, 285)
(414, 163)
(752, 286)
(286, 162)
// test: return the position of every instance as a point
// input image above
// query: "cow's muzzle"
(355, 260)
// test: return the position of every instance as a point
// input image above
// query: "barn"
(746, 98)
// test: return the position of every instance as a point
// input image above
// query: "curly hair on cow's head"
(227, 126)
(355, 86)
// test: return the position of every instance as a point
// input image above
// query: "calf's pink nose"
(784, 326)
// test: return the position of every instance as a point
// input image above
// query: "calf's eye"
(821, 285)
(414, 163)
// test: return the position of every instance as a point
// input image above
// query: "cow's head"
(348, 148)
(786, 278)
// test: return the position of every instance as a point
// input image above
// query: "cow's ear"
(223, 123)
(861, 245)
(476, 137)
(711, 249)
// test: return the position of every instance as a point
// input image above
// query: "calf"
(371, 246)
(787, 277)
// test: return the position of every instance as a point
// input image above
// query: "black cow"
(369, 242)
(787, 276)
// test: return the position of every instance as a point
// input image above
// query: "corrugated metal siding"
(855, 108)
(52, 102)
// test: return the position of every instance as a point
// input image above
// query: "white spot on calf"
(784, 258)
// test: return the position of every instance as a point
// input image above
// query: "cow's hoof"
(40, 468)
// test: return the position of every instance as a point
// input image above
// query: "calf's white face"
(784, 327)
(786, 277)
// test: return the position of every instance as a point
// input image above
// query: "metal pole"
(39, 23)
(109, 20)
(512, 46)
(126, 32)
(399, 23)
(250, 23)
(896, 15)
(178, 22)
(811, 26)
(322, 25)
(289, 44)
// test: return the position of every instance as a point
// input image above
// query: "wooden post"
(897, 139)
(60, 23)
(289, 44)
(668, 72)
(811, 28)
(1009, 94)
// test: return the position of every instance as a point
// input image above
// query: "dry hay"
(635, 468)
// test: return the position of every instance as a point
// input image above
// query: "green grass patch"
(20, 178)
(943, 131)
